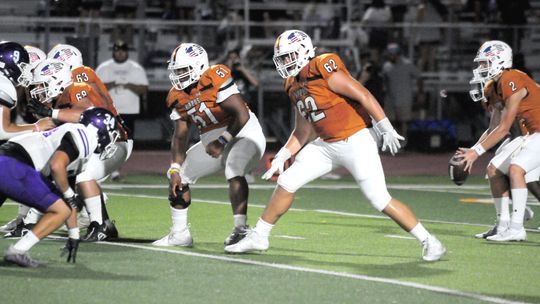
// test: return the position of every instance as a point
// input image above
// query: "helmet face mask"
(292, 51)
(104, 124)
(188, 62)
(50, 79)
(477, 89)
(36, 56)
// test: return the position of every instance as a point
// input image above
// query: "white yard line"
(436, 289)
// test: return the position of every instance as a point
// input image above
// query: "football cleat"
(509, 235)
(492, 231)
(176, 238)
(104, 232)
(19, 231)
(251, 242)
(11, 225)
(20, 258)
(432, 249)
(236, 235)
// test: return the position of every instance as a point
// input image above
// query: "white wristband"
(228, 136)
(55, 113)
(174, 168)
(479, 149)
(69, 193)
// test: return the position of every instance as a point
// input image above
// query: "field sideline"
(331, 247)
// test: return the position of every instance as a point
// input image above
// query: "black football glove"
(75, 202)
(70, 248)
(38, 108)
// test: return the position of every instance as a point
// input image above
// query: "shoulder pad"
(8, 93)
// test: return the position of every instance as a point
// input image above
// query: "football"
(456, 171)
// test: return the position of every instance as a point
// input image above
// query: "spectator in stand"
(370, 77)
(429, 11)
(126, 81)
(378, 14)
(245, 80)
(399, 76)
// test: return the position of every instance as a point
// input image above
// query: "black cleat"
(236, 235)
(104, 232)
(490, 232)
(21, 258)
(20, 231)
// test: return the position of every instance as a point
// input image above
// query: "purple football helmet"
(14, 61)
(107, 130)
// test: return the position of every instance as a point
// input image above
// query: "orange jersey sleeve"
(201, 105)
(334, 117)
(528, 114)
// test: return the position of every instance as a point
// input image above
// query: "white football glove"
(278, 163)
(390, 138)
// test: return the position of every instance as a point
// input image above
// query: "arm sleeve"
(227, 89)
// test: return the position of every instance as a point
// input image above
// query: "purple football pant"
(25, 185)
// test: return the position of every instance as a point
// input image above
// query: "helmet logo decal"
(193, 51)
(295, 37)
(493, 50)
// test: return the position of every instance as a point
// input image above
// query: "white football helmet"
(67, 53)
(188, 62)
(477, 84)
(51, 77)
(492, 58)
(292, 51)
(36, 56)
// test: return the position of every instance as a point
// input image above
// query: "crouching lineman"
(331, 104)
(53, 85)
(231, 138)
(55, 152)
(16, 63)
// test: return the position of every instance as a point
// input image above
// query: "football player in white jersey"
(54, 85)
(15, 63)
(231, 138)
(55, 152)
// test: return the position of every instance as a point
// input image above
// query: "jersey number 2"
(308, 108)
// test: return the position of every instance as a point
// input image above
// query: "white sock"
(263, 228)
(179, 219)
(519, 200)
(74, 233)
(26, 242)
(93, 206)
(240, 220)
(32, 216)
(502, 209)
(419, 232)
(23, 210)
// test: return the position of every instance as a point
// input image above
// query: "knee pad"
(179, 200)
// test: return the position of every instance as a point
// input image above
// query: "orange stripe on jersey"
(512, 81)
(334, 117)
(199, 106)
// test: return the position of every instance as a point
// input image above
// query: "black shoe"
(490, 232)
(104, 232)
(236, 235)
(20, 231)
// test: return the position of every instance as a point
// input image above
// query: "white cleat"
(490, 232)
(251, 242)
(529, 213)
(509, 235)
(11, 225)
(176, 238)
(433, 249)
